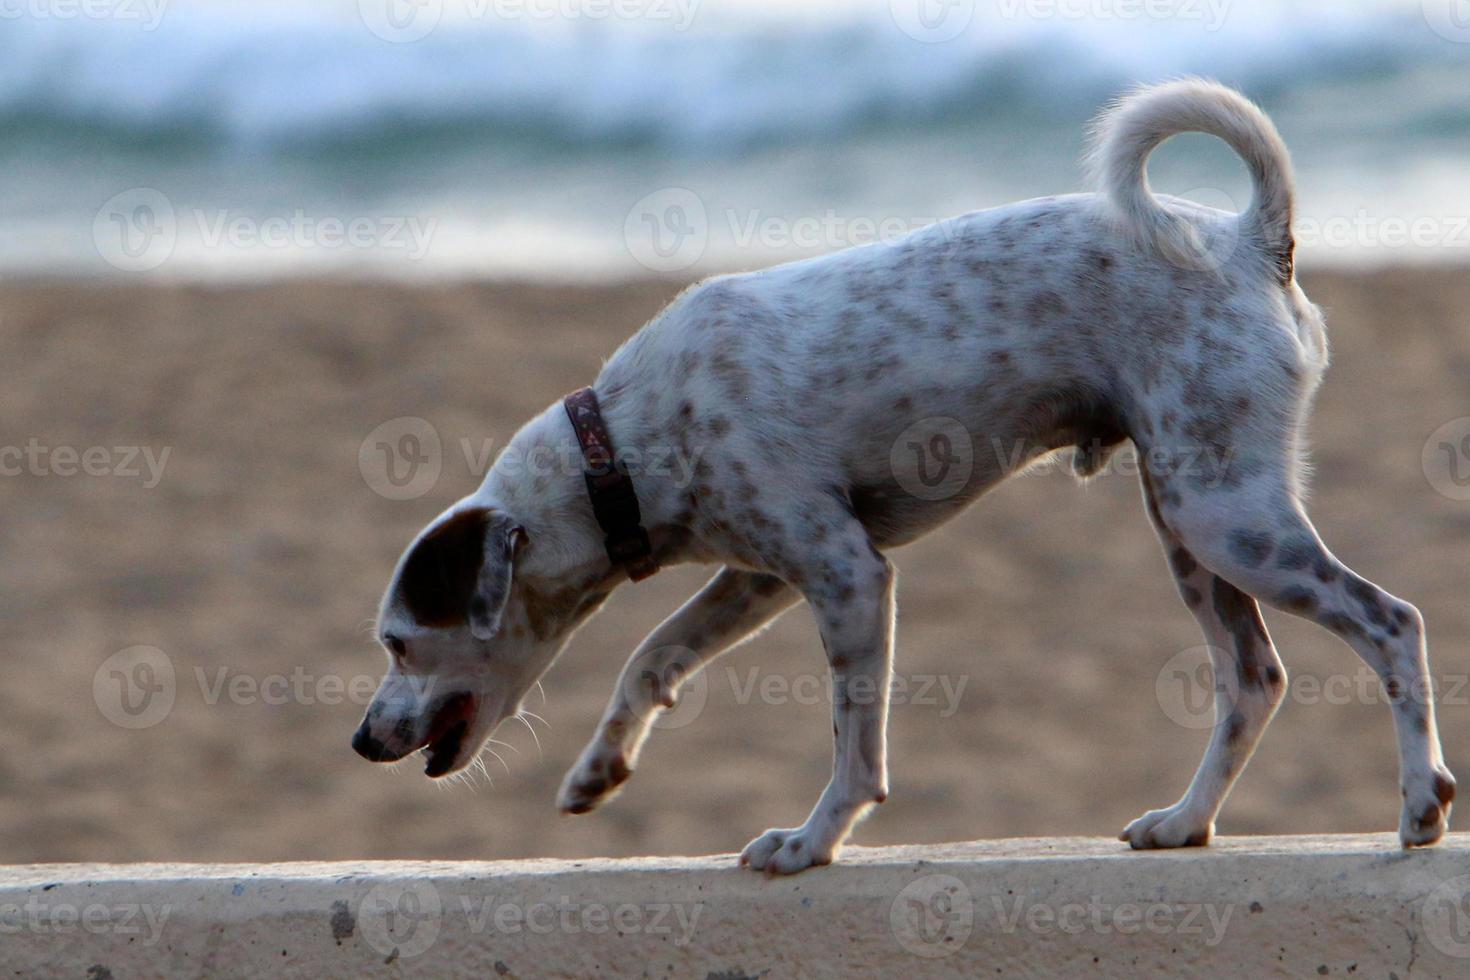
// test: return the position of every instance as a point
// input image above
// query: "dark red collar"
(610, 488)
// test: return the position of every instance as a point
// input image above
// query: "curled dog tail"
(1128, 131)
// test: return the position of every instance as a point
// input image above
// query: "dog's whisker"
(481, 760)
(542, 691)
(531, 714)
(480, 765)
(534, 737)
(496, 741)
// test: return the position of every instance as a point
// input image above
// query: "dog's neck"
(538, 480)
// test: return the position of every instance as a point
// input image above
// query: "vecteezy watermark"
(1444, 917)
(136, 231)
(679, 679)
(403, 458)
(932, 21)
(38, 916)
(1370, 231)
(1210, 14)
(148, 14)
(406, 21)
(932, 916)
(1093, 915)
(1450, 19)
(941, 691)
(567, 917)
(1187, 689)
(401, 919)
(139, 687)
(299, 686)
(935, 459)
(1202, 230)
(670, 229)
(135, 688)
(139, 230)
(1446, 459)
(828, 231)
(124, 462)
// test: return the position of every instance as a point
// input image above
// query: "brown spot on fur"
(1299, 599)
(1242, 617)
(1250, 548)
(1297, 552)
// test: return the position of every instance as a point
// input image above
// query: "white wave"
(701, 77)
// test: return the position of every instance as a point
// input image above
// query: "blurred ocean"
(608, 138)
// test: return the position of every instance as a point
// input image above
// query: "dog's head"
(465, 641)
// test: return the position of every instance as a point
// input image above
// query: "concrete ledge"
(1245, 907)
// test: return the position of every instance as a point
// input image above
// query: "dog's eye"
(395, 645)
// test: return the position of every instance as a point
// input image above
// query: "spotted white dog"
(1070, 323)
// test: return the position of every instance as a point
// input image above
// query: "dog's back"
(1080, 320)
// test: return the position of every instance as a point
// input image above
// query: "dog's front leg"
(730, 608)
(852, 598)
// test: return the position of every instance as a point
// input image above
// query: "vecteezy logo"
(135, 688)
(932, 916)
(135, 231)
(401, 919)
(678, 672)
(667, 231)
(1446, 459)
(401, 21)
(932, 21)
(401, 459)
(1208, 244)
(1450, 19)
(933, 458)
(1445, 917)
(1187, 687)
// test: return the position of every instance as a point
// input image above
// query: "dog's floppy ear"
(460, 571)
(503, 538)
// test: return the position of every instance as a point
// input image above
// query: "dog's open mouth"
(447, 733)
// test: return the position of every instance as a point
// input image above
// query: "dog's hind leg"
(1249, 682)
(1253, 533)
(731, 607)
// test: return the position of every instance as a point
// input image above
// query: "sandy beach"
(226, 522)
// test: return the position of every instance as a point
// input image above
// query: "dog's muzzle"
(443, 739)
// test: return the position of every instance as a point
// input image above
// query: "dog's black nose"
(368, 747)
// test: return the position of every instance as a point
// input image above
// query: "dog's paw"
(1171, 827)
(1426, 814)
(785, 852)
(595, 779)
